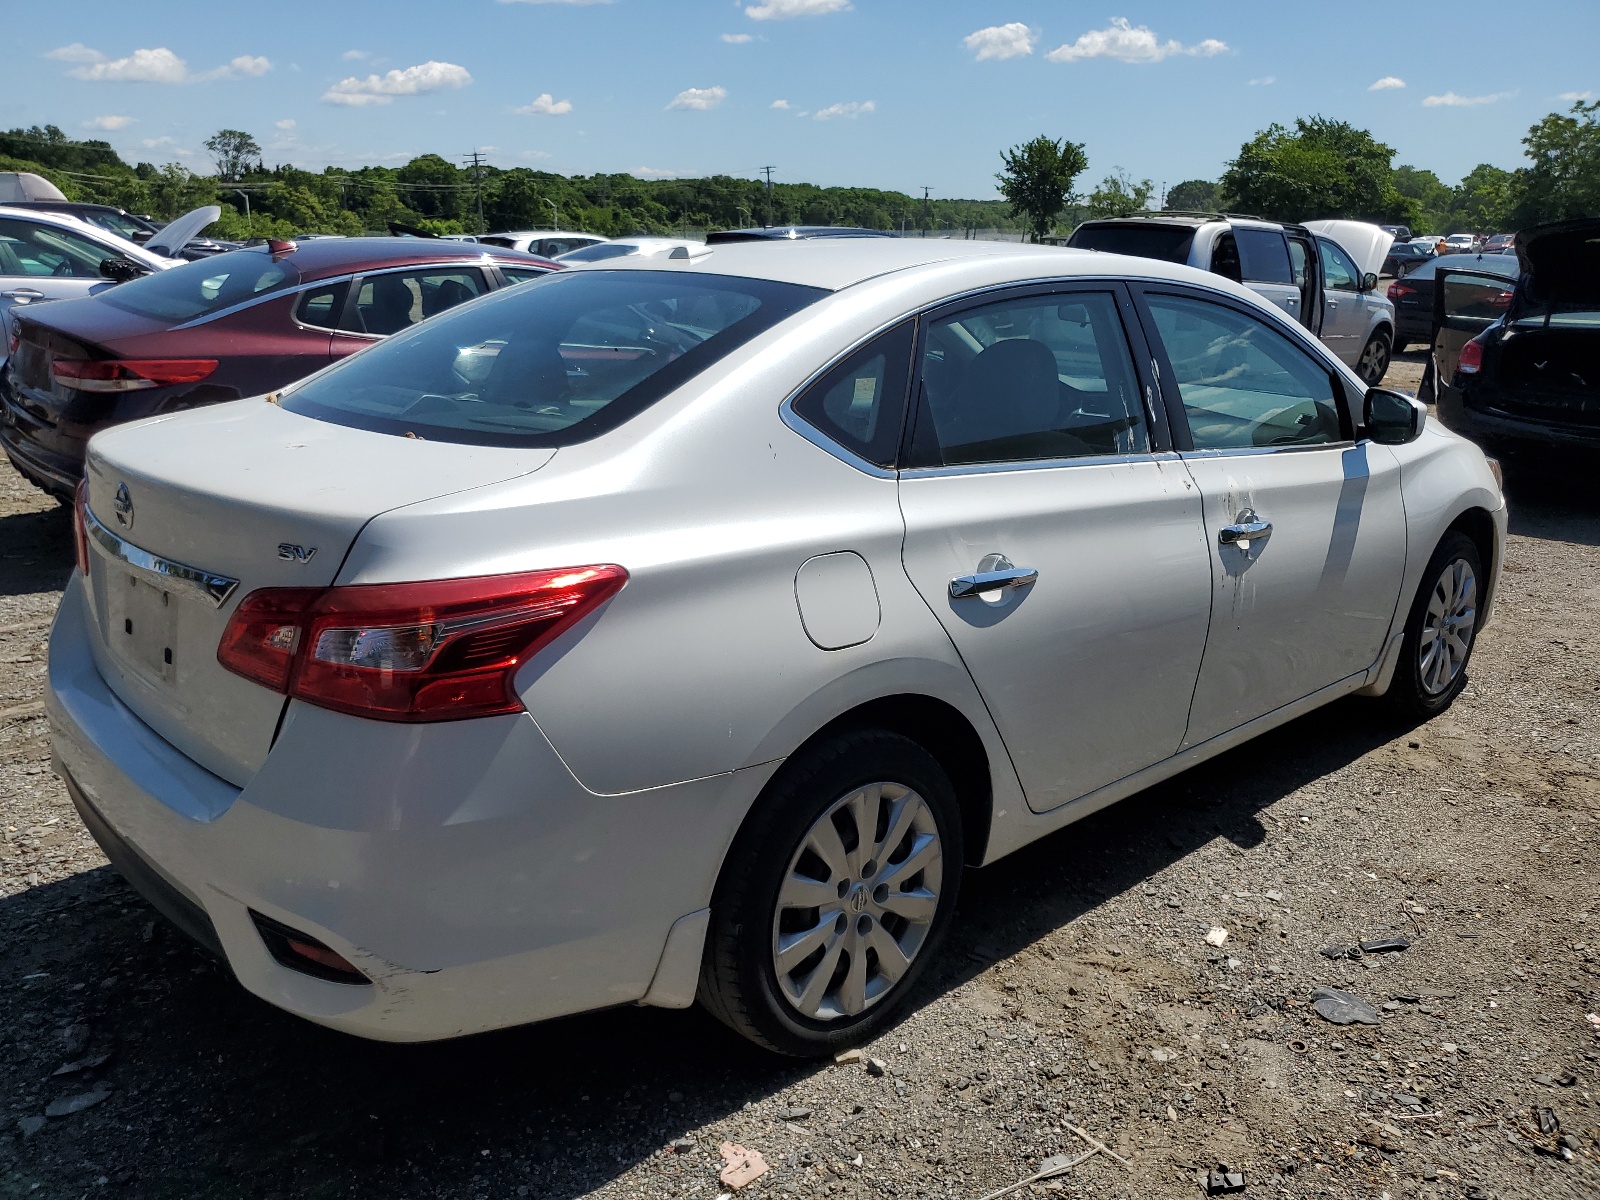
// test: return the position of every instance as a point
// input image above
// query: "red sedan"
(234, 325)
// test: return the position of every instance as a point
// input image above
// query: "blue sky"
(881, 93)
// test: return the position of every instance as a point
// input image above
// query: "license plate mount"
(143, 625)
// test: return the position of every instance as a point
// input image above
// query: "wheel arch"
(1479, 527)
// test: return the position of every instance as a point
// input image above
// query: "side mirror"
(1369, 282)
(120, 270)
(1392, 418)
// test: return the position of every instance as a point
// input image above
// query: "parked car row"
(683, 625)
(237, 324)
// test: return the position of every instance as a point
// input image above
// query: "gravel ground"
(1078, 988)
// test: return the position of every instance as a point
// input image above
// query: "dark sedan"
(235, 325)
(1402, 259)
(1523, 364)
(1412, 296)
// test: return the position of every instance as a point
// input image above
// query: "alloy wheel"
(1447, 627)
(1374, 364)
(857, 902)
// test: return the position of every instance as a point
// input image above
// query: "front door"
(1344, 315)
(1304, 525)
(40, 262)
(1059, 546)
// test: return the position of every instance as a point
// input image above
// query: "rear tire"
(1373, 364)
(1440, 633)
(809, 979)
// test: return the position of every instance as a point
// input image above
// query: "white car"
(547, 243)
(686, 628)
(1460, 243)
(56, 256)
(634, 247)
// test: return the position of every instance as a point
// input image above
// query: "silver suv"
(1323, 274)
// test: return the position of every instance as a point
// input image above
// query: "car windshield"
(208, 286)
(551, 363)
(1170, 243)
(600, 252)
(120, 224)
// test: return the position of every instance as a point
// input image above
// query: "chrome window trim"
(164, 572)
(1232, 451)
(1040, 464)
(823, 442)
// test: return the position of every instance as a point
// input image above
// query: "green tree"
(235, 153)
(1194, 195)
(1038, 177)
(1119, 196)
(1322, 168)
(1563, 179)
(1431, 196)
(1483, 202)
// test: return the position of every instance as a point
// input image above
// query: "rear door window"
(49, 250)
(322, 307)
(386, 304)
(1263, 256)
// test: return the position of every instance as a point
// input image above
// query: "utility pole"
(769, 171)
(926, 191)
(249, 228)
(555, 212)
(476, 163)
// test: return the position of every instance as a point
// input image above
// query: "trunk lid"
(244, 496)
(1561, 265)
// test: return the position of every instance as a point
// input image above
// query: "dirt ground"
(1078, 988)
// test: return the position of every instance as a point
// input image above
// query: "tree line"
(439, 196)
(1327, 168)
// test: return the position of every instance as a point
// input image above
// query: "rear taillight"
(129, 374)
(1471, 360)
(80, 524)
(435, 651)
(1398, 289)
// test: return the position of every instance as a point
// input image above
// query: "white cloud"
(656, 173)
(534, 155)
(850, 109)
(1131, 44)
(76, 53)
(246, 65)
(779, 10)
(158, 65)
(286, 123)
(1264, 81)
(430, 76)
(1387, 83)
(579, 3)
(158, 143)
(1001, 41)
(737, 39)
(155, 65)
(109, 122)
(1451, 100)
(699, 99)
(353, 55)
(545, 105)
(780, 104)
(1575, 97)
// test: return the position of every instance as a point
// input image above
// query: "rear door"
(40, 262)
(1465, 303)
(1053, 535)
(1305, 528)
(1266, 268)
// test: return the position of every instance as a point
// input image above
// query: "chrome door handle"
(23, 294)
(1245, 530)
(963, 586)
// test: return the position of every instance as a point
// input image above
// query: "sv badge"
(293, 553)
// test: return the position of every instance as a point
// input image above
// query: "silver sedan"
(684, 627)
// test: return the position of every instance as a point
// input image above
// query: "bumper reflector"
(302, 952)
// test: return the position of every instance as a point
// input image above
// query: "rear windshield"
(1167, 242)
(550, 363)
(207, 286)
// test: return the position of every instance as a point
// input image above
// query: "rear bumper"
(1511, 433)
(45, 457)
(459, 866)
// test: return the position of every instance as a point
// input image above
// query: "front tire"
(835, 895)
(1373, 364)
(1441, 631)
